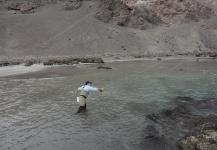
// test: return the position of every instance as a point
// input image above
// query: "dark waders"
(81, 108)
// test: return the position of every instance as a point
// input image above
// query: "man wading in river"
(84, 93)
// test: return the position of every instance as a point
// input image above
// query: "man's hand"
(101, 89)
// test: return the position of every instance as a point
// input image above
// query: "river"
(37, 110)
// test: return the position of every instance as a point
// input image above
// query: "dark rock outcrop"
(51, 61)
(73, 4)
(23, 7)
(103, 67)
(120, 13)
(145, 14)
(182, 128)
(70, 61)
(213, 55)
(9, 63)
(27, 6)
(172, 11)
(204, 139)
(29, 63)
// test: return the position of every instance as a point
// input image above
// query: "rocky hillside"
(131, 13)
(146, 13)
(31, 6)
(107, 28)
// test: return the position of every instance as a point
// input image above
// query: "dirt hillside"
(114, 28)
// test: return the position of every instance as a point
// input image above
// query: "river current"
(38, 112)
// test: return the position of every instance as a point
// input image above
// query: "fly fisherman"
(84, 93)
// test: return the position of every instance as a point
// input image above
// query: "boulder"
(213, 55)
(203, 140)
(29, 63)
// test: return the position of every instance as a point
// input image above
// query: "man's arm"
(90, 88)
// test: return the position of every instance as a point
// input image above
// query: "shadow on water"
(165, 129)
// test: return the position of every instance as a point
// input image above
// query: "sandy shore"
(20, 69)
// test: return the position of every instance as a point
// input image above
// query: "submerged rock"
(188, 126)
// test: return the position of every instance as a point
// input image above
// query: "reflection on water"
(145, 106)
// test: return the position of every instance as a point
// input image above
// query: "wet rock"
(29, 63)
(8, 63)
(71, 61)
(198, 54)
(205, 122)
(151, 137)
(168, 112)
(2, 64)
(61, 62)
(213, 55)
(48, 63)
(153, 117)
(183, 128)
(90, 60)
(203, 140)
(103, 67)
(14, 63)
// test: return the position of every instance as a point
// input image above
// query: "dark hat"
(88, 82)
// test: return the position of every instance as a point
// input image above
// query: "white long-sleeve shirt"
(88, 88)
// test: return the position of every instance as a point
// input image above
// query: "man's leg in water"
(80, 109)
(82, 103)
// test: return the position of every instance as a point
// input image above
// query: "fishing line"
(61, 33)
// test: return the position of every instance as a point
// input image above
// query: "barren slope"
(60, 29)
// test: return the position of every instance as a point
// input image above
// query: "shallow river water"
(37, 111)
